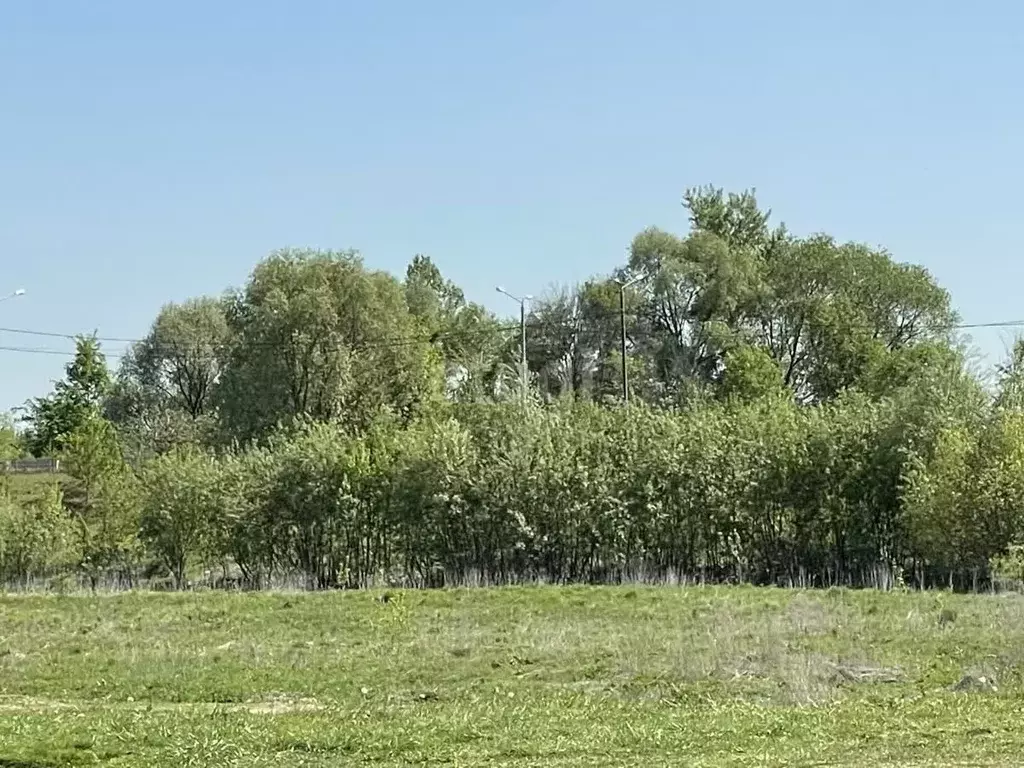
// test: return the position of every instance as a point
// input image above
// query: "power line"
(122, 340)
(391, 343)
(1000, 324)
(537, 321)
(39, 351)
(68, 336)
(385, 343)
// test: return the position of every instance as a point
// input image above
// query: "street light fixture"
(19, 292)
(623, 285)
(522, 335)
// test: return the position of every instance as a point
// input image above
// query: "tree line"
(800, 411)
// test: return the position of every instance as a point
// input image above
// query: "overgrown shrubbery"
(801, 413)
(37, 539)
(860, 491)
(764, 492)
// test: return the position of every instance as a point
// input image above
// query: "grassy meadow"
(538, 676)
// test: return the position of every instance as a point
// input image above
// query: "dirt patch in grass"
(272, 705)
(29, 704)
(283, 705)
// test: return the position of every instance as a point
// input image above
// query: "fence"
(30, 467)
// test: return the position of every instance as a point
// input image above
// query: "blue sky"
(154, 151)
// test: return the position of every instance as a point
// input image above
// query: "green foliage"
(1008, 568)
(179, 509)
(750, 374)
(430, 298)
(101, 496)
(754, 487)
(75, 399)
(328, 495)
(966, 505)
(466, 335)
(164, 394)
(826, 313)
(36, 538)
(800, 412)
(433, 488)
(315, 335)
(11, 444)
(241, 532)
(183, 356)
(1011, 379)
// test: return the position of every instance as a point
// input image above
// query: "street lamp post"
(19, 292)
(623, 285)
(522, 334)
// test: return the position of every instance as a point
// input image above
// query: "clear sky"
(154, 151)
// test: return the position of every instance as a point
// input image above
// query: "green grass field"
(528, 676)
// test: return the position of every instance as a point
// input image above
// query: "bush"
(1008, 569)
(36, 538)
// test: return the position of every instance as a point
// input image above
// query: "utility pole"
(622, 324)
(522, 337)
(623, 285)
(522, 348)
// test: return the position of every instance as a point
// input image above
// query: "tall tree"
(574, 339)
(835, 311)
(101, 496)
(76, 398)
(826, 313)
(694, 304)
(468, 337)
(164, 392)
(315, 335)
(183, 355)
(1010, 394)
(560, 346)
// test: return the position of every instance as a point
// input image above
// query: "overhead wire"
(393, 342)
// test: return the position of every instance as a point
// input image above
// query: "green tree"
(148, 424)
(848, 309)
(683, 333)
(164, 392)
(76, 398)
(101, 496)
(1010, 393)
(967, 504)
(438, 531)
(467, 336)
(563, 343)
(750, 374)
(243, 525)
(35, 537)
(180, 509)
(11, 445)
(183, 355)
(329, 502)
(316, 335)
(430, 297)
(829, 314)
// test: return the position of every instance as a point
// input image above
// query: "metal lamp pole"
(522, 334)
(623, 285)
